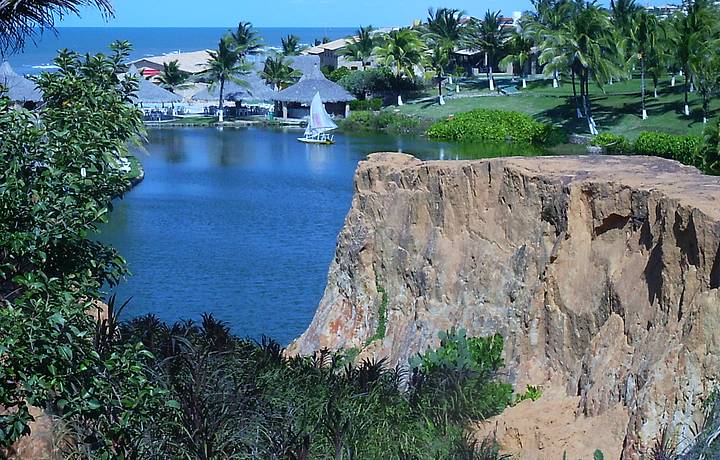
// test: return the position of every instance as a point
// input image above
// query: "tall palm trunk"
(441, 101)
(221, 112)
(655, 86)
(588, 106)
(578, 114)
(687, 89)
(642, 88)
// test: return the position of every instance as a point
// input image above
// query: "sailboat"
(319, 124)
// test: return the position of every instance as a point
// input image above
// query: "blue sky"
(280, 13)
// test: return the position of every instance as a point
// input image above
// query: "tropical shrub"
(483, 125)
(337, 74)
(239, 398)
(613, 144)
(374, 104)
(711, 148)
(377, 81)
(685, 149)
(59, 171)
(385, 120)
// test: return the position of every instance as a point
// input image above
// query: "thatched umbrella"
(19, 89)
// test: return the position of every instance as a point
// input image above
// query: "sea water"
(39, 53)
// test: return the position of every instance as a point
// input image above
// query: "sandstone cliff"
(601, 272)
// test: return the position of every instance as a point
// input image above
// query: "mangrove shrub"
(484, 125)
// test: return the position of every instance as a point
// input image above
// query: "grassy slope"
(617, 111)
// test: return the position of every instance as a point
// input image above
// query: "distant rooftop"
(18, 87)
(330, 46)
(191, 62)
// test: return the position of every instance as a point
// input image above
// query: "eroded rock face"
(602, 273)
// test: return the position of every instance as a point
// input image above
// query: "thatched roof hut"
(253, 88)
(150, 93)
(19, 88)
(305, 63)
(311, 83)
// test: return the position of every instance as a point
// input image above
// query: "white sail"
(320, 121)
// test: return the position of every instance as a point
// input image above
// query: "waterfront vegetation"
(483, 125)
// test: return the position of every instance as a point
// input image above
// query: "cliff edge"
(601, 272)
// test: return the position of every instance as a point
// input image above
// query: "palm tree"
(444, 30)
(691, 28)
(520, 48)
(21, 18)
(586, 43)
(660, 60)
(225, 65)
(438, 59)
(624, 13)
(291, 45)
(646, 38)
(401, 50)
(544, 26)
(490, 36)
(360, 48)
(705, 66)
(278, 72)
(171, 75)
(247, 40)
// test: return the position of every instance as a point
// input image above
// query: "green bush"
(613, 144)
(685, 149)
(243, 399)
(377, 81)
(383, 121)
(367, 104)
(483, 125)
(58, 176)
(458, 352)
(338, 74)
(711, 149)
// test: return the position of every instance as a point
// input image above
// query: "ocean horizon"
(40, 50)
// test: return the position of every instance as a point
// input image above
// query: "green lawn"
(616, 110)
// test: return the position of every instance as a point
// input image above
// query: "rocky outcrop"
(601, 272)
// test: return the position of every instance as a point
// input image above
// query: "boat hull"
(316, 141)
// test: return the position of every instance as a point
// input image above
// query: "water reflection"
(243, 222)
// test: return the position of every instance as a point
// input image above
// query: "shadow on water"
(243, 222)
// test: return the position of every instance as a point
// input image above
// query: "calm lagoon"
(242, 223)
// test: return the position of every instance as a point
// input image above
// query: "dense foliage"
(685, 149)
(20, 18)
(701, 152)
(385, 120)
(58, 174)
(379, 81)
(374, 104)
(242, 399)
(484, 125)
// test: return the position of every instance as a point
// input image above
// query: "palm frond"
(20, 19)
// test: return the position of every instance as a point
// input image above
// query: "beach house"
(193, 63)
